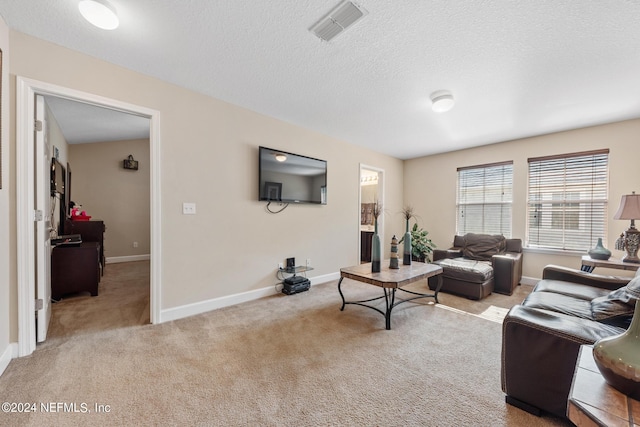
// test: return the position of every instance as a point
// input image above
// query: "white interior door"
(42, 204)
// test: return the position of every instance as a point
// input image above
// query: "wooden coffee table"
(390, 281)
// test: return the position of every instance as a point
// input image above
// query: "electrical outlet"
(135, 244)
(280, 266)
(308, 262)
(188, 208)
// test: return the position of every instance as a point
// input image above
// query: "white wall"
(7, 251)
(209, 152)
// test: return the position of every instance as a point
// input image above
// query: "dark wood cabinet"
(75, 269)
(91, 231)
(365, 245)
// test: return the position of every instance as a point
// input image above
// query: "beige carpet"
(279, 361)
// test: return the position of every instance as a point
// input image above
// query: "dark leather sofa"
(541, 336)
(479, 264)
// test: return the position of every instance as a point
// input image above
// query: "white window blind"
(567, 202)
(484, 198)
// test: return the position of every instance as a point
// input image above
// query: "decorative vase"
(393, 257)
(599, 252)
(406, 258)
(376, 250)
(618, 358)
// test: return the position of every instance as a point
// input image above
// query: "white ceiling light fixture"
(442, 101)
(341, 17)
(281, 157)
(99, 13)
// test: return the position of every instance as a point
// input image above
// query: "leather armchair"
(469, 277)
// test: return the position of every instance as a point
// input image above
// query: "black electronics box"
(68, 239)
(296, 284)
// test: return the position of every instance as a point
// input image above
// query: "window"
(484, 199)
(567, 202)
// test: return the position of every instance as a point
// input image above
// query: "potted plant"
(421, 245)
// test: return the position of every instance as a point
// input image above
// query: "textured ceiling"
(516, 68)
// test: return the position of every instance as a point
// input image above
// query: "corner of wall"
(5, 205)
(9, 353)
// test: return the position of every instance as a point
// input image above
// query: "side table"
(589, 264)
(593, 402)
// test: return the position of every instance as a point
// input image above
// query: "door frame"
(381, 199)
(26, 89)
(42, 158)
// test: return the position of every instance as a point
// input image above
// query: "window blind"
(484, 198)
(567, 200)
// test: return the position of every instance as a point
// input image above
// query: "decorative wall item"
(393, 257)
(366, 213)
(130, 163)
(599, 251)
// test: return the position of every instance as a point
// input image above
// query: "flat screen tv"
(292, 178)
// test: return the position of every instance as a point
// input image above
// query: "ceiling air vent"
(337, 20)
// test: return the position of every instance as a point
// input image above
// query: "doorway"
(371, 192)
(26, 91)
(93, 141)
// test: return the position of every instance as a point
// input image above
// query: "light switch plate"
(188, 208)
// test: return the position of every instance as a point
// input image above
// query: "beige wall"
(118, 196)
(430, 182)
(7, 251)
(209, 152)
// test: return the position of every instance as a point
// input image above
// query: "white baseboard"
(130, 258)
(324, 279)
(529, 280)
(183, 311)
(9, 353)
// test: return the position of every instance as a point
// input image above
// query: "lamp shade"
(629, 207)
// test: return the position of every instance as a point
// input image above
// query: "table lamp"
(629, 209)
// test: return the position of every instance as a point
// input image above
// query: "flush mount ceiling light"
(281, 157)
(100, 13)
(442, 101)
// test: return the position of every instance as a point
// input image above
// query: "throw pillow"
(618, 304)
(482, 247)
